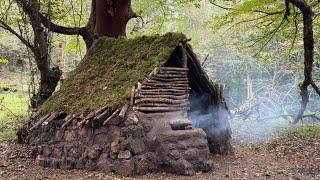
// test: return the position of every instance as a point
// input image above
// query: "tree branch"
(6, 27)
(315, 87)
(61, 29)
(52, 26)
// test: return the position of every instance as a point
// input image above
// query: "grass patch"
(106, 75)
(6, 135)
(13, 106)
(303, 132)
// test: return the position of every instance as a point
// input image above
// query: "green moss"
(109, 70)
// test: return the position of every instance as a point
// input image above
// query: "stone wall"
(134, 145)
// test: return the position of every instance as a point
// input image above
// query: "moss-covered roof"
(109, 70)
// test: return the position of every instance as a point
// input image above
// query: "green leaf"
(4, 61)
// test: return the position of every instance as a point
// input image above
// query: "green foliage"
(303, 132)
(109, 70)
(4, 61)
(263, 30)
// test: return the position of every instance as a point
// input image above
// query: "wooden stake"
(102, 116)
(132, 96)
(139, 86)
(124, 110)
(155, 71)
(160, 109)
(170, 76)
(169, 80)
(173, 69)
(111, 117)
(160, 100)
(163, 105)
(54, 116)
(37, 124)
(173, 97)
(69, 120)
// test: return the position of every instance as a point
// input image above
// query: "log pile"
(166, 89)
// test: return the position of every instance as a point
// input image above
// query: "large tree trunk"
(112, 17)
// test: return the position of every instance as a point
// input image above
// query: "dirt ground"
(276, 159)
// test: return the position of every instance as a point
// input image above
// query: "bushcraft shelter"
(133, 106)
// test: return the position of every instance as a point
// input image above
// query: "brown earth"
(274, 159)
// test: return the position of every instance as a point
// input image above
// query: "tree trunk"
(49, 78)
(308, 41)
(112, 17)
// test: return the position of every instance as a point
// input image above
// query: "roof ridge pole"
(183, 47)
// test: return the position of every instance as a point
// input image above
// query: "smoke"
(206, 117)
(262, 97)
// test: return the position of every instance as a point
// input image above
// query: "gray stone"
(103, 163)
(57, 152)
(116, 121)
(91, 165)
(136, 131)
(55, 163)
(81, 163)
(100, 139)
(114, 134)
(76, 152)
(70, 135)
(68, 163)
(141, 165)
(47, 151)
(114, 147)
(93, 152)
(47, 162)
(184, 167)
(59, 135)
(137, 146)
(86, 133)
(124, 155)
(131, 120)
(124, 167)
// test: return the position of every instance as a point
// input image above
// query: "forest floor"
(286, 157)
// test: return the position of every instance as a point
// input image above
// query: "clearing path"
(282, 158)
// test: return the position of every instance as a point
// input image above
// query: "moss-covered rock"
(109, 70)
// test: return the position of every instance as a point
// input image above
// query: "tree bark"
(49, 78)
(112, 17)
(308, 41)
